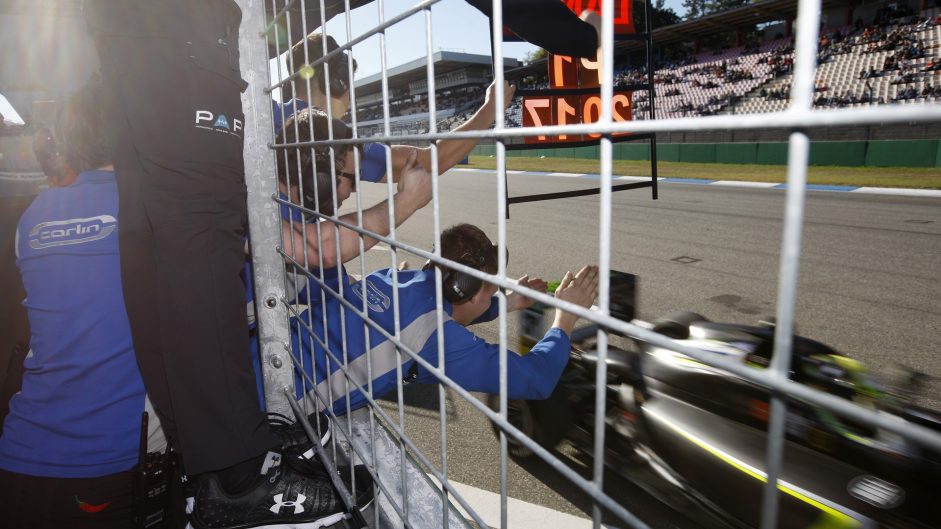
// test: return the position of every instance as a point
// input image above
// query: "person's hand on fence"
(415, 181)
(594, 19)
(580, 289)
(517, 301)
(509, 90)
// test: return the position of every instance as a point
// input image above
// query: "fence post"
(264, 220)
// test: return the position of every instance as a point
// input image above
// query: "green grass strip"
(905, 177)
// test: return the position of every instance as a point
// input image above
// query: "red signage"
(623, 21)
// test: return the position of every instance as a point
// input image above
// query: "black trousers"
(175, 126)
(96, 503)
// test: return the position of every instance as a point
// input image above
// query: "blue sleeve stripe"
(374, 162)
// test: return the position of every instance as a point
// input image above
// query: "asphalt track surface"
(869, 287)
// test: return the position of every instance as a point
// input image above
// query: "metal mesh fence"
(311, 247)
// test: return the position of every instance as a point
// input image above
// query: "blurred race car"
(695, 436)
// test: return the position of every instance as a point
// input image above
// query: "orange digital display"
(568, 73)
(573, 72)
(539, 111)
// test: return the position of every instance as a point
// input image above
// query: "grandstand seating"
(839, 79)
(454, 108)
(710, 83)
(904, 56)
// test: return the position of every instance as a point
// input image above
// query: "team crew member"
(73, 432)
(373, 160)
(175, 131)
(470, 361)
(14, 326)
(308, 170)
(301, 240)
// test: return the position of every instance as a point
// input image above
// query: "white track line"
(734, 183)
(898, 191)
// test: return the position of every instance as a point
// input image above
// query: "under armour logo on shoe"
(297, 504)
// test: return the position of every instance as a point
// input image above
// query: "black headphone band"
(472, 260)
(339, 75)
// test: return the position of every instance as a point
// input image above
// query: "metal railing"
(276, 290)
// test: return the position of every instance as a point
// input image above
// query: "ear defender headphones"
(324, 189)
(322, 177)
(339, 73)
(459, 287)
(324, 193)
(339, 65)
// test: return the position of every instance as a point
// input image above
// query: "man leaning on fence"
(469, 360)
(304, 174)
(311, 90)
(305, 178)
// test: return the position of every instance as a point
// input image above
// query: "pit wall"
(875, 153)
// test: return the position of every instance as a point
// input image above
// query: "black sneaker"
(293, 438)
(297, 494)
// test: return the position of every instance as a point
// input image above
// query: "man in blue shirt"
(73, 432)
(311, 89)
(305, 178)
(468, 360)
(410, 165)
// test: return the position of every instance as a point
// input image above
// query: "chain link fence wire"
(284, 271)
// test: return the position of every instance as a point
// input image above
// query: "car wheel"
(544, 421)
(676, 325)
(520, 414)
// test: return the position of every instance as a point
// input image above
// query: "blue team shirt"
(78, 414)
(283, 112)
(469, 360)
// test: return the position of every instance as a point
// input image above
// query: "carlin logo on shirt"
(377, 300)
(207, 120)
(72, 231)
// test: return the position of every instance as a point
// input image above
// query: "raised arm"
(514, 300)
(474, 364)
(414, 192)
(580, 289)
(450, 152)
